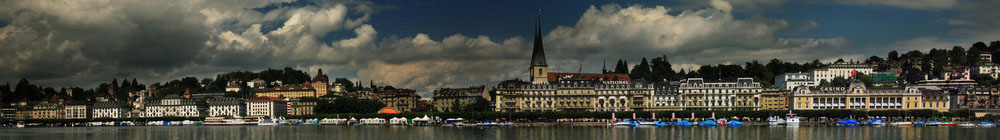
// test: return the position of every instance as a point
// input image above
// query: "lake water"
(451, 133)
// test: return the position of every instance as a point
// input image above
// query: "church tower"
(539, 69)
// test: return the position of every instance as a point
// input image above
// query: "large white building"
(552, 91)
(173, 106)
(227, 107)
(987, 69)
(856, 96)
(789, 81)
(842, 69)
(111, 109)
(77, 111)
(267, 106)
(697, 94)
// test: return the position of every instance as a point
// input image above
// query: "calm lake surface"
(552, 132)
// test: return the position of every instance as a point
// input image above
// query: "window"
(539, 71)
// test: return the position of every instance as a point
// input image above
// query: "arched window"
(539, 71)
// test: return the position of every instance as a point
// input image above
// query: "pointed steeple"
(538, 53)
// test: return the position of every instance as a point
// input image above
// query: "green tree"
(838, 82)
(893, 55)
(958, 56)
(661, 69)
(641, 71)
(864, 78)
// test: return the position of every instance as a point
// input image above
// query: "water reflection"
(449, 133)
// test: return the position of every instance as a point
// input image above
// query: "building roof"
(109, 104)
(538, 51)
(388, 110)
(554, 76)
(267, 98)
(225, 101)
(233, 85)
(320, 77)
(289, 88)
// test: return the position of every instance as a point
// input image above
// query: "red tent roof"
(388, 110)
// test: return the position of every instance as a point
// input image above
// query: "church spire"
(538, 53)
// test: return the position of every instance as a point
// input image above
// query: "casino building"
(857, 96)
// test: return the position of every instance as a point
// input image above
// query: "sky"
(426, 45)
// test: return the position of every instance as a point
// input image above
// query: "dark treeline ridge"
(657, 69)
(26, 91)
(930, 63)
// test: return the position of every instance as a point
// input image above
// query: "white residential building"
(987, 69)
(233, 87)
(789, 81)
(77, 111)
(173, 106)
(111, 109)
(267, 106)
(743, 94)
(843, 69)
(226, 107)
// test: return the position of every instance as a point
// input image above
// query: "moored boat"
(902, 124)
(987, 124)
(966, 125)
(791, 119)
(775, 120)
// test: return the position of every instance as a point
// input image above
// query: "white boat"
(987, 125)
(646, 123)
(266, 122)
(283, 121)
(225, 121)
(187, 122)
(775, 120)
(312, 122)
(20, 124)
(176, 123)
(96, 123)
(902, 124)
(455, 121)
(622, 124)
(966, 125)
(791, 120)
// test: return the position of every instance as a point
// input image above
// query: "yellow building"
(743, 94)
(47, 110)
(300, 107)
(935, 99)
(403, 100)
(297, 91)
(774, 99)
(449, 99)
(554, 91)
(857, 96)
(320, 83)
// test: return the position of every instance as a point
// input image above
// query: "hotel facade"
(857, 96)
(550, 91)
